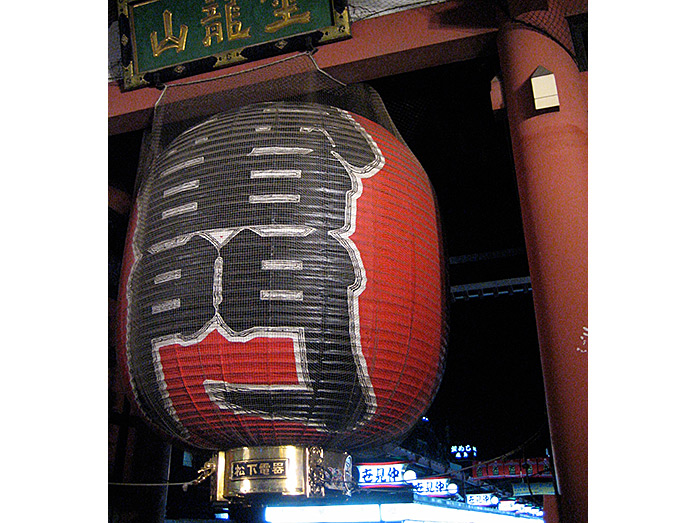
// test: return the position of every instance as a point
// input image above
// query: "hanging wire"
(461, 471)
(166, 484)
(320, 70)
(152, 140)
(208, 468)
(237, 73)
(251, 70)
(183, 484)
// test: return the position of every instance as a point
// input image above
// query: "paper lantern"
(283, 283)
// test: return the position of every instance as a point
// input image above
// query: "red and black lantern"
(283, 283)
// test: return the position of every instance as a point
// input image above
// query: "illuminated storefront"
(420, 509)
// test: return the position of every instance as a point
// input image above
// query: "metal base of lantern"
(286, 470)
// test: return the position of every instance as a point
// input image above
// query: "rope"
(204, 472)
(184, 484)
(149, 484)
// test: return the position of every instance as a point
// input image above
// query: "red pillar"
(551, 509)
(551, 160)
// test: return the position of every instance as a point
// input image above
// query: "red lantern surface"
(283, 283)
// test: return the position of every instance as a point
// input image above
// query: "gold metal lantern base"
(286, 470)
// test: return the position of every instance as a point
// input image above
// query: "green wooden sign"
(167, 39)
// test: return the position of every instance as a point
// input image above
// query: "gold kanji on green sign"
(167, 39)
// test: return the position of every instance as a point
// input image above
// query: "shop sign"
(463, 451)
(545, 488)
(433, 486)
(162, 40)
(381, 474)
(482, 500)
(258, 469)
(521, 468)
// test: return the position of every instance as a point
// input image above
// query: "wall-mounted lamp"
(544, 90)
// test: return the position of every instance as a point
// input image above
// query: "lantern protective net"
(296, 77)
(283, 278)
(548, 17)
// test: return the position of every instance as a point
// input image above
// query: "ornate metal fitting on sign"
(329, 471)
(316, 472)
(209, 468)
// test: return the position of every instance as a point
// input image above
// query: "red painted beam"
(382, 46)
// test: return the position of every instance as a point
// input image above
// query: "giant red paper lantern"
(283, 283)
